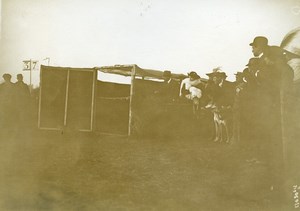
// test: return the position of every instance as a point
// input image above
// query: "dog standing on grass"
(221, 94)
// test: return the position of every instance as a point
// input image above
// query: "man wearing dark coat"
(22, 100)
(170, 87)
(275, 76)
(7, 104)
(238, 98)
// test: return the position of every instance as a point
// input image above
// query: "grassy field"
(48, 170)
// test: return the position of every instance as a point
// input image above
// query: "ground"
(50, 170)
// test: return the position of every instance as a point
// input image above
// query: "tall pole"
(30, 79)
(131, 121)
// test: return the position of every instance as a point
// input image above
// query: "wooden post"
(30, 79)
(67, 96)
(283, 124)
(40, 100)
(130, 128)
(93, 98)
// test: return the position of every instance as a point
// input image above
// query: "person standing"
(239, 89)
(274, 74)
(6, 102)
(170, 87)
(22, 100)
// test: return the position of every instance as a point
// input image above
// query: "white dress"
(191, 86)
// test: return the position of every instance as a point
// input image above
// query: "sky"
(175, 35)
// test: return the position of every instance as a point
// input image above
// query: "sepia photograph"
(149, 105)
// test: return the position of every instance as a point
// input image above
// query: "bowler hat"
(259, 41)
(167, 73)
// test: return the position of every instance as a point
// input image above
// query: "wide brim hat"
(212, 74)
(193, 74)
(217, 74)
(223, 75)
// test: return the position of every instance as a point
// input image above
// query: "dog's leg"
(216, 127)
(217, 132)
(226, 131)
(195, 108)
(197, 111)
(221, 130)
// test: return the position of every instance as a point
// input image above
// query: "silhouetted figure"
(274, 75)
(225, 103)
(170, 87)
(22, 100)
(239, 91)
(250, 104)
(166, 97)
(7, 104)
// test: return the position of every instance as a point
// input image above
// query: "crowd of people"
(248, 109)
(249, 112)
(14, 103)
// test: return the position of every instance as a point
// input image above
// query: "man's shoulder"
(21, 85)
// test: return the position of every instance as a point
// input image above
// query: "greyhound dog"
(220, 122)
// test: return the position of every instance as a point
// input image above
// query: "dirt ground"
(49, 170)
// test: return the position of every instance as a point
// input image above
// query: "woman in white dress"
(190, 89)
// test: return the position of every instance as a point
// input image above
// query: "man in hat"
(6, 102)
(227, 90)
(21, 87)
(259, 45)
(252, 74)
(22, 99)
(225, 103)
(273, 61)
(212, 88)
(239, 90)
(273, 72)
(165, 96)
(167, 76)
(169, 88)
(239, 83)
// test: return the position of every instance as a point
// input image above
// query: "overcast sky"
(176, 35)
